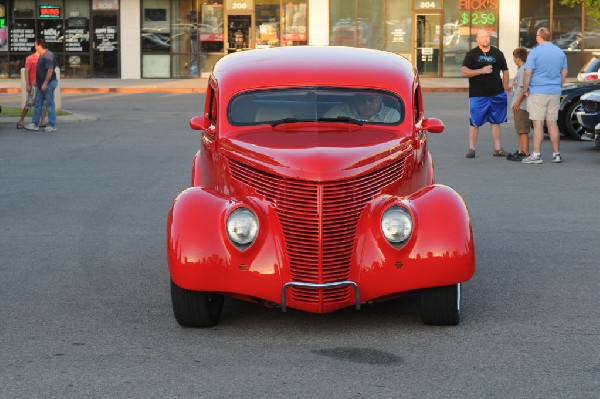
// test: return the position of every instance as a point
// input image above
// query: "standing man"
(545, 73)
(488, 101)
(31, 87)
(46, 82)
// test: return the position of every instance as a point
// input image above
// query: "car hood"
(580, 86)
(317, 154)
(591, 96)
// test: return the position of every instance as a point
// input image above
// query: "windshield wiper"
(346, 119)
(284, 120)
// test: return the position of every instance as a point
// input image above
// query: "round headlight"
(242, 226)
(396, 225)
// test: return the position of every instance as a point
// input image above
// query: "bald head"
(483, 39)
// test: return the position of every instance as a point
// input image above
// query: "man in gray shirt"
(365, 107)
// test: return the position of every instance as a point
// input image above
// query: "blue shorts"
(488, 109)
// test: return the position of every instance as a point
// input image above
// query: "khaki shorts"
(543, 107)
(522, 122)
(30, 101)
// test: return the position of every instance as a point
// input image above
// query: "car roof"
(332, 66)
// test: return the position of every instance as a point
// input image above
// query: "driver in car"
(366, 107)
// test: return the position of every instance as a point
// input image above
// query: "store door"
(428, 42)
(239, 33)
(105, 45)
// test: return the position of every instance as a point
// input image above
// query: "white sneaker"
(49, 129)
(556, 158)
(532, 159)
(32, 126)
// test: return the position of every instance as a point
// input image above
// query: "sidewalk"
(188, 85)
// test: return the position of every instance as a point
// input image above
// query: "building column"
(131, 58)
(318, 22)
(508, 31)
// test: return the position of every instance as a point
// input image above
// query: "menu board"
(106, 38)
(22, 39)
(77, 39)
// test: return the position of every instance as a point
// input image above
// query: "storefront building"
(134, 39)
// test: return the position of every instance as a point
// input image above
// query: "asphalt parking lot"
(85, 299)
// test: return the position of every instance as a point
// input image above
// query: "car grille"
(319, 221)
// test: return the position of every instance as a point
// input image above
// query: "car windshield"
(593, 65)
(293, 105)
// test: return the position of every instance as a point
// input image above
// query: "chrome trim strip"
(319, 286)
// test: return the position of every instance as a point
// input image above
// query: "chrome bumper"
(319, 286)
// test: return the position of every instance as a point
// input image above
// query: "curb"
(63, 118)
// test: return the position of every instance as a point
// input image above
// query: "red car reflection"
(313, 189)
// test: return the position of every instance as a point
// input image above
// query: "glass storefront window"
(3, 65)
(24, 9)
(566, 27)
(461, 23)
(156, 26)
(3, 27)
(295, 23)
(457, 38)
(591, 40)
(342, 22)
(534, 15)
(50, 25)
(212, 35)
(267, 16)
(398, 24)
(370, 24)
(357, 23)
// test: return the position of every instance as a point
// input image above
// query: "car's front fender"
(201, 257)
(439, 252)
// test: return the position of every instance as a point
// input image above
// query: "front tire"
(440, 306)
(196, 308)
(573, 128)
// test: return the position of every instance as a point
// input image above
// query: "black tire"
(440, 306)
(196, 308)
(572, 128)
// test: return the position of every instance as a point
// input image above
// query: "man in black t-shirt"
(488, 101)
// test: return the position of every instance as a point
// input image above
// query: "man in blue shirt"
(545, 73)
(46, 82)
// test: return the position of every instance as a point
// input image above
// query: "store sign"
(239, 5)
(478, 12)
(51, 12)
(104, 5)
(427, 5)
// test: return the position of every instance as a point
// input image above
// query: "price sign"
(477, 18)
(49, 12)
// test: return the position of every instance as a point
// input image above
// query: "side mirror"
(199, 123)
(433, 125)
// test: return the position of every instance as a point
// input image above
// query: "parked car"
(300, 200)
(589, 116)
(570, 104)
(590, 70)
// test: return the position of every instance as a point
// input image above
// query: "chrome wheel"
(572, 127)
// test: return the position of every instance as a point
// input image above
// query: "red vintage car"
(313, 189)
